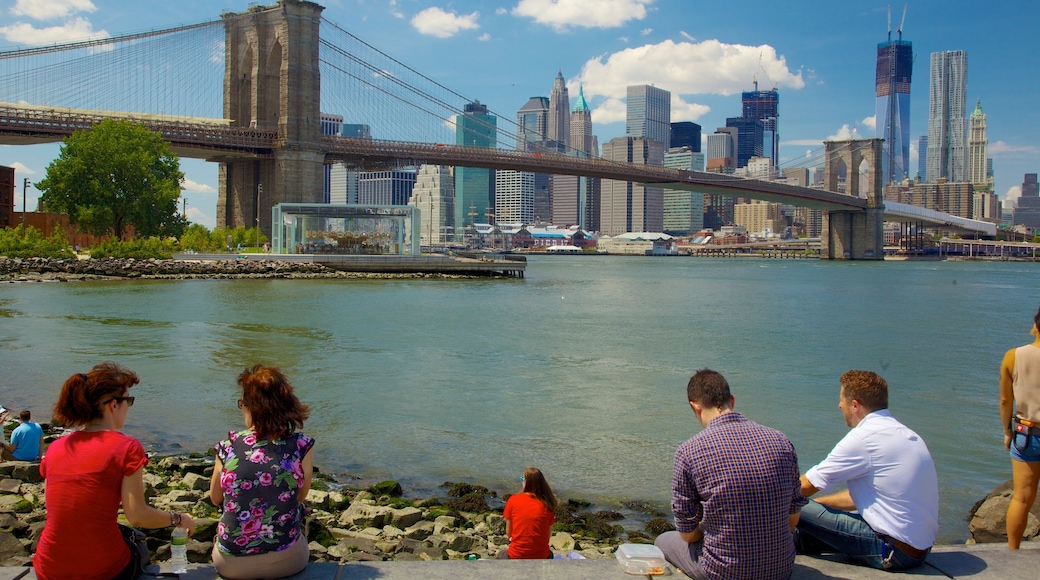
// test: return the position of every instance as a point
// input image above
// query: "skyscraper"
(559, 112)
(649, 113)
(947, 125)
(533, 125)
(434, 195)
(474, 187)
(683, 210)
(330, 125)
(764, 106)
(749, 138)
(922, 157)
(686, 134)
(581, 127)
(514, 196)
(626, 206)
(977, 145)
(895, 62)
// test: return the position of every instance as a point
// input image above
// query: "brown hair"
(535, 484)
(274, 408)
(1036, 320)
(709, 388)
(82, 394)
(866, 387)
(24, 416)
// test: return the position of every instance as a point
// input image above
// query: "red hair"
(81, 395)
(274, 408)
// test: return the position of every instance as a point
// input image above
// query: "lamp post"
(25, 185)
(259, 190)
(184, 206)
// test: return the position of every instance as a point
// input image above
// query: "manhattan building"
(686, 134)
(947, 124)
(764, 106)
(683, 210)
(582, 138)
(649, 114)
(559, 124)
(978, 164)
(626, 206)
(474, 187)
(514, 197)
(434, 196)
(1027, 213)
(895, 62)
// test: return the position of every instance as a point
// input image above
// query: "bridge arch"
(854, 235)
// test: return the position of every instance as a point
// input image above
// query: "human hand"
(187, 523)
(1007, 441)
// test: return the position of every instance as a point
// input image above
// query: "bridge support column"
(854, 235)
(272, 81)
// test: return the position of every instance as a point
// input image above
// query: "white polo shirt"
(891, 478)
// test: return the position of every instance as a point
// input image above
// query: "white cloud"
(844, 134)
(48, 9)
(561, 14)
(1001, 147)
(76, 29)
(685, 68)
(484, 37)
(1013, 193)
(189, 185)
(685, 35)
(685, 111)
(610, 111)
(195, 215)
(870, 122)
(501, 11)
(804, 142)
(646, 31)
(21, 168)
(436, 22)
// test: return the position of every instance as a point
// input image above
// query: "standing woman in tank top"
(1020, 412)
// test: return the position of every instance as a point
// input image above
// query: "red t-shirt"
(84, 473)
(530, 524)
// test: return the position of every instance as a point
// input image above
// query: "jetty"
(461, 263)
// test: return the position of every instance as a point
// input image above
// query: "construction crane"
(762, 69)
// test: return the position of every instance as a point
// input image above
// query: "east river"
(579, 369)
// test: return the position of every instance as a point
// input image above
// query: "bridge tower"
(272, 82)
(854, 235)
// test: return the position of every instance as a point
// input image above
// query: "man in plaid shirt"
(736, 493)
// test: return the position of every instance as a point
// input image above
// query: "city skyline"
(821, 58)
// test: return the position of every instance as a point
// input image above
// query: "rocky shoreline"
(378, 523)
(343, 525)
(72, 269)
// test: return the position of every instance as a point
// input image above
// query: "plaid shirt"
(739, 481)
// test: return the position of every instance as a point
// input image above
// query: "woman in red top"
(529, 518)
(89, 473)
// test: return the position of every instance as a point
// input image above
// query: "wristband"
(175, 519)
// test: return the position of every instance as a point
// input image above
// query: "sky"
(820, 56)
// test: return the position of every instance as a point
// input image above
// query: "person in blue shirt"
(26, 440)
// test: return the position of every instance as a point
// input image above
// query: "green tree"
(115, 175)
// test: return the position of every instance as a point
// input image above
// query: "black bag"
(139, 555)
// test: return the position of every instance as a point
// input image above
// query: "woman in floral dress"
(261, 476)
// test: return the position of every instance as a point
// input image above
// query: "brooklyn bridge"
(247, 91)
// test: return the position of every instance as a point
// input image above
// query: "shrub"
(139, 249)
(28, 242)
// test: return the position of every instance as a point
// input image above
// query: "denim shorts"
(1025, 447)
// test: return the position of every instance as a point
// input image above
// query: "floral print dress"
(261, 480)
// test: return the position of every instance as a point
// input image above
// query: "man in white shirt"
(889, 516)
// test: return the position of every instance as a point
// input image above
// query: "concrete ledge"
(978, 562)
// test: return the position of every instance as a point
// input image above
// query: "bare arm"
(308, 472)
(216, 493)
(792, 520)
(808, 489)
(691, 537)
(1007, 394)
(139, 512)
(839, 501)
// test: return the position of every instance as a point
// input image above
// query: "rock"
(152, 482)
(200, 552)
(365, 515)
(14, 503)
(27, 471)
(563, 542)
(185, 465)
(10, 523)
(388, 487)
(317, 499)
(391, 533)
(405, 517)
(352, 545)
(496, 524)
(337, 500)
(10, 486)
(196, 482)
(179, 495)
(462, 543)
(10, 547)
(205, 527)
(420, 531)
(317, 548)
(444, 522)
(988, 519)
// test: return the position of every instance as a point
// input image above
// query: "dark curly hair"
(274, 408)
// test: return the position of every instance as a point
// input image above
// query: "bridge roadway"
(217, 140)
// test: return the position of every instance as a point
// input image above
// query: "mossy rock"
(22, 507)
(319, 485)
(388, 487)
(317, 532)
(635, 537)
(473, 503)
(429, 503)
(658, 526)
(578, 503)
(463, 489)
(438, 511)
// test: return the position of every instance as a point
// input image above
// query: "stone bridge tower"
(271, 81)
(854, 235)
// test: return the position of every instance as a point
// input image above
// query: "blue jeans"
(847, 533)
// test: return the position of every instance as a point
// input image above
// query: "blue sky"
(819, 55)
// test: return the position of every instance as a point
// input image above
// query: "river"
(579, 369)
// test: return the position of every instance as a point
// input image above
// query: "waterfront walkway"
(978, 562)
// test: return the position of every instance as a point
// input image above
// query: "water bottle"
(179, 551)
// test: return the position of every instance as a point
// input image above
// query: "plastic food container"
(641, 559)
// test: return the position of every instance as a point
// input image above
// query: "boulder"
(462, 543)
(420, 531)
(352, 545)
(11, 547)
(27, 471)
(196, 482)
(363, 514)
(388, 487)
(317, 499)
(444, 522)
(405, 517)
(10, 485)
(563, 542)
(10, 523)
(988, 519)
(14, 503)
(496, 524)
